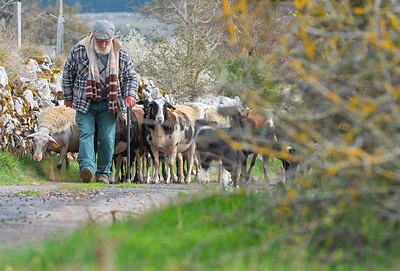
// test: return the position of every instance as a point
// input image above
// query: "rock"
(3, 77)
(28, 96)
(44, 92)
(33, 67)
(56, 87)
(18, 106)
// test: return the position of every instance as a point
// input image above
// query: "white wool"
(203, 176)
(224, 105)
(269, 116)
(225, 177)
(57, 119)
(200, 107)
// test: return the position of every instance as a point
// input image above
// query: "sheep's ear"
(170, 106)
(30, 136)
(52, 140)
(140, 102)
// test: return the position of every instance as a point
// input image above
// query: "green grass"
(14, 171)
(100, 185)
(28, 193)
(241, 231)
(25, 171)
(273, 166)
(62, 175)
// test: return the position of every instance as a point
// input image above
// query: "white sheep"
(58, 132)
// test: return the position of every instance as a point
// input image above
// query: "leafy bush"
(338, 64)
(240, 76)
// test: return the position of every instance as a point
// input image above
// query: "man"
(98, 81)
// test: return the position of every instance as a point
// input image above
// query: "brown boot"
(102, 179)
(86, 175)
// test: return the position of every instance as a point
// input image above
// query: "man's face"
(102, 47)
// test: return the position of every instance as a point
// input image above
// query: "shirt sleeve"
(69, 75)
(130, 78)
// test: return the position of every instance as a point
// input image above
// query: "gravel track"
(32, 218)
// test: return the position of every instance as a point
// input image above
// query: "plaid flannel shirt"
(75, 74)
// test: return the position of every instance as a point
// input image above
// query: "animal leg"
(190, 154)
(118, 164)
(197, 164)
(171, 162)
(156, 165)
(61, 158)
(148, 165)
(252, 162)
(179, 166)
(138, 171)
(52, 176)
(67, 159)
(265, 168)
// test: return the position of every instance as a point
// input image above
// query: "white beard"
(102, 52)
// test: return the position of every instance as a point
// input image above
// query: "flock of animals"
(193, 136)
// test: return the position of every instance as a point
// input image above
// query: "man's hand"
(68, 103)
(130, 101)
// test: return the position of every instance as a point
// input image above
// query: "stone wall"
(22, 100)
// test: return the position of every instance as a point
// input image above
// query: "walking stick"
(128, 147)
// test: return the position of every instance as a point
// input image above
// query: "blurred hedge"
(337, 64)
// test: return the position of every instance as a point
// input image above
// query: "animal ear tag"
(172, 109)
(52, 140)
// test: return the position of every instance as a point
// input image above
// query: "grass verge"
(29, 193)
(100, 185)
(25, 171)
(15, 171)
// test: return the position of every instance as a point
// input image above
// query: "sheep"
(212, 148)
(257, 131)
(171, 133)
(58, 132)
(209, 114)
(260, 132)
(137, 141)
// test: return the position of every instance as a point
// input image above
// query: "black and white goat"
(170, 130)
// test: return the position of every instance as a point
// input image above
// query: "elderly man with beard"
(99, 81)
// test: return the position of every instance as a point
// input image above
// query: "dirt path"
(55, 211)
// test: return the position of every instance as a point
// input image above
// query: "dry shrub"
(182, 62)
(30, 50)
(6, 47)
